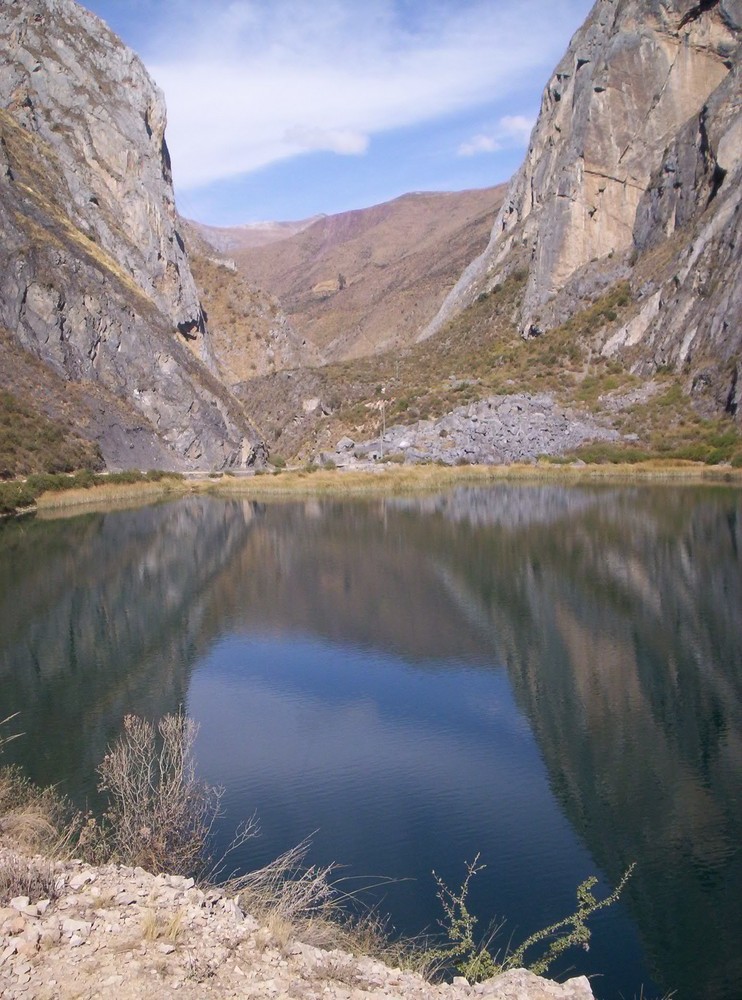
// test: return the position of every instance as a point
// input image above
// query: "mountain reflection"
(619, 617)
(616, 612)
(102, 615)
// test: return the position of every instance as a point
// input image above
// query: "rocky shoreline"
(117, 931)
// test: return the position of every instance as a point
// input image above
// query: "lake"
(547, 676)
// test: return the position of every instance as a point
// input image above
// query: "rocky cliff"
(633, 171)
(94, 277)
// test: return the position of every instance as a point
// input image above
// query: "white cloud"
(511, 130)
(517, 127)
(480, 143)
(345, 142)
(252, 82)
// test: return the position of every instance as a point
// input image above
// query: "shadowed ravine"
(550, 675)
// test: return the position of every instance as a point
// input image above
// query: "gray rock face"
(689, 318)
(638, 137)
(68, 80)
(94, 279)
(498, 430)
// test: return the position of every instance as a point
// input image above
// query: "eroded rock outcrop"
(638, 142)
(94, 278)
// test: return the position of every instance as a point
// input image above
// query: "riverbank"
(118, 931)
(373, 480)
(390, 478)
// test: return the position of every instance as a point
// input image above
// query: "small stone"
(80, 928)
(9, 951)
(78, 881)
(166, 949)
(20, 902)
(15, 925)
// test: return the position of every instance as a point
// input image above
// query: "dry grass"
(107, 493)
(421, 478)
(296, 902)
(162, 926)
(23, 876)
(379, 480)
(37, 820)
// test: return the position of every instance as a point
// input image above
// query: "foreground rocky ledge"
(117, 931)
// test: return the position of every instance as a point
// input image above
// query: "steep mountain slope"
(361, 282)
(250, 334)
(94, 278)
(633, 172)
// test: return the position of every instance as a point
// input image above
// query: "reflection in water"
(350, 662)
(621, 628)
(102, 615)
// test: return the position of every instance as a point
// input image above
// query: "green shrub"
(126, 477)
(84, 479)
(476, 961)
(15, 496)
(45, 482)
(31, 442)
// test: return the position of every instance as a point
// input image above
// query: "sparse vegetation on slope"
(478, 354)
(32, 443)
(369, 280)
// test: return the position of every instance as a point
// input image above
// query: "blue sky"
(282, 109)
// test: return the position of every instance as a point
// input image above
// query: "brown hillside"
(250, 335)
(397, 261)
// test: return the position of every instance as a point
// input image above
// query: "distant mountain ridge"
(251, 234)
(361, 282)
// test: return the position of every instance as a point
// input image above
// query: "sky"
(285, 109)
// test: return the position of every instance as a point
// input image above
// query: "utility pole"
(383, 420)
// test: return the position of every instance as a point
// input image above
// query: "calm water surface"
(550, 677)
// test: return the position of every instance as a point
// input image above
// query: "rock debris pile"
(497, 430)
(121, 932)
